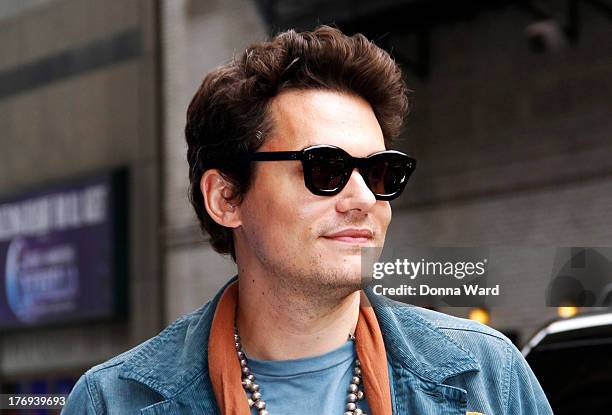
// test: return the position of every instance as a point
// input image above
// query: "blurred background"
(99, 248)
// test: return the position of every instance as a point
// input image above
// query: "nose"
(356, 195)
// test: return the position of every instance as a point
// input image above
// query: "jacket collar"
(177, 359)
(417, 345)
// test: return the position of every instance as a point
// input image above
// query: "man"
(290, 175)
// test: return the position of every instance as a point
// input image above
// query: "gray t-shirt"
(312, 385)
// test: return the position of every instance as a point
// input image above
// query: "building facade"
(513, 145)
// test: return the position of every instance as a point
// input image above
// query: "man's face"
(286, 231)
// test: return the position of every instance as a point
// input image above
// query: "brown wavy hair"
(227, 116)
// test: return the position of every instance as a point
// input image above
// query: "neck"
(277, 323)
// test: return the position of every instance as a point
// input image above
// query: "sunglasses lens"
(387, 174)
(328, 169)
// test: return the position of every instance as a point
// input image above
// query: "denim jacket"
(438, 365)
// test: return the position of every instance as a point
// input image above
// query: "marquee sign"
(63, 252)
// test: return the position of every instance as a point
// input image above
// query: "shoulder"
(468, 334)
(451, 345)
(503, 379)
(494, 352)
(100, 387)
(504, 370)
(170, 335)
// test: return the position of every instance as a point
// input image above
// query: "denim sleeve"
(80, 400)
(525, 393)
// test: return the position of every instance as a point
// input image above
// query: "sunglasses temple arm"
(274, 156)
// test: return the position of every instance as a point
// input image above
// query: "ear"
(217, 193)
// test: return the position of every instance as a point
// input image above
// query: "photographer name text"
(424, 289)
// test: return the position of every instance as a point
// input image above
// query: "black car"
(572, 359)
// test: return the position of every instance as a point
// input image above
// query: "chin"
(348, 275)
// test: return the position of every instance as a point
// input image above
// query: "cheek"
(386, 214)
(310, 215)
(291, 225)
(278, 208)
(382, 216)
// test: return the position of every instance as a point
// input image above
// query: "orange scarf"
(225, 371)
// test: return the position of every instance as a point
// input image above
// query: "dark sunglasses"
(327, 169)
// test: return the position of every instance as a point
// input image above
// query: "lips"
(353, 236)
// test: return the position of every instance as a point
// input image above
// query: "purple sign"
(62, 253)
